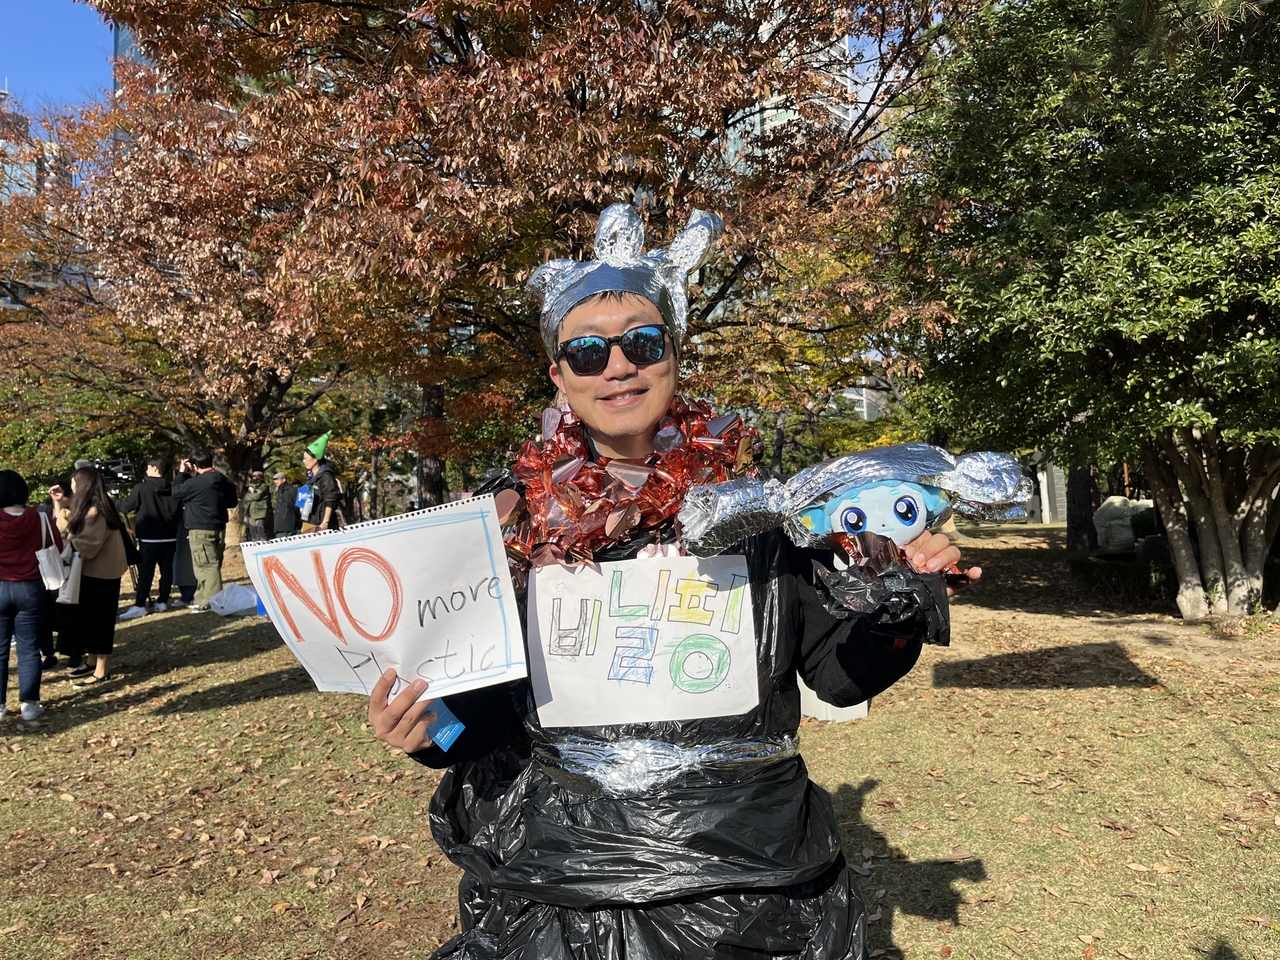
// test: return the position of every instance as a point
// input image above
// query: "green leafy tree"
(1088, 240)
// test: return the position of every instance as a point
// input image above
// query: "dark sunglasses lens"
(587, 356)
(644, 344)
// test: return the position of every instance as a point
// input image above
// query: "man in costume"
(672, 838)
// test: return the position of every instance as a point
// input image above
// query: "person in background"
(49, 622)
(155, 524)
(23, 531)
(184, 571)
(206, 496)
(288, 519)
(257, 504)
(90, 522)
(326, 511)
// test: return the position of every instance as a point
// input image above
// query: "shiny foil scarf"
(574, 505)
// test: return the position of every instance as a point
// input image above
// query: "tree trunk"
(373, 485)
(1239, 600)
(779, 441)
(1192, 603)
(1081, 534)
(432, 487)
(236, 461)
(1211, 568)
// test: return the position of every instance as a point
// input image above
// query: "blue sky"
(53, 51)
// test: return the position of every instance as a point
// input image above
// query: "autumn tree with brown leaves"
(148, 288)
(445, 149)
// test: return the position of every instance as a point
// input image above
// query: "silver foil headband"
(622, 266)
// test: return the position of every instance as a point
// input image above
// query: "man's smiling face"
(622, 404)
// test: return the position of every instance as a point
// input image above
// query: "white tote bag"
(48, 557)
(69, 592)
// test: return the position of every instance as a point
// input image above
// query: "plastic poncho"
(707, 839)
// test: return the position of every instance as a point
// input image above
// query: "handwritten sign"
(642, 640)
(427, 594)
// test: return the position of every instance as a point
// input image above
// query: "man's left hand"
(932, 552)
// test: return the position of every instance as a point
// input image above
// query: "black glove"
(897, 603)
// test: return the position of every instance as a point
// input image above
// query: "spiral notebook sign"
(427, 594)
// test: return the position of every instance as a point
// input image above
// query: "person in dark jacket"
(155, 525)
(206, 496)
(256, 505)
(664, 838)
(288, 519)
(326, 511)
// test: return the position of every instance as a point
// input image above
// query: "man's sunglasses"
(588, 356)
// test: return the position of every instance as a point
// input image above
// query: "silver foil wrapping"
(716, 517)
(621, 264)
(633, 768)
(979, 486)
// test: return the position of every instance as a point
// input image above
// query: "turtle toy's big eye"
(906, 510)
(853, 520)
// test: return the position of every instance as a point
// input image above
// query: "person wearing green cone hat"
(326, 511)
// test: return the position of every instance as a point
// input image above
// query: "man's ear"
(556, 376)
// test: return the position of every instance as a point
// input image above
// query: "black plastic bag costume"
(695, 838)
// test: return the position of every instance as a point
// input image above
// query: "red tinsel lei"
(573, 505)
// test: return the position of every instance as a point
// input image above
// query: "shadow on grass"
(279, 683)
(1221, 950)
(1077, 666)
(145, 662)
(921, 888)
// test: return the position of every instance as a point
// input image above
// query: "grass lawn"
(1061, 782)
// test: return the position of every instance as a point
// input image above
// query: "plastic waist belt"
(631, 768)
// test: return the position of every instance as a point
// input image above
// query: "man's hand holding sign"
(395, 607)
(405, 721)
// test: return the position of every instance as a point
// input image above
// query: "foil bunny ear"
(619, 235)
(621, 266)
(693, 245)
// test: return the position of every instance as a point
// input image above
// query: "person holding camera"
(206, 496)
(89, 520)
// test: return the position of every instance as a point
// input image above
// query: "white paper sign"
(642, 640)
(427, 594)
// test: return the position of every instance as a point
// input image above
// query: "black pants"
(48, 623)
(90, 625)
(150, 556)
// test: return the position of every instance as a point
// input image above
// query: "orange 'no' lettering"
(273, 570)
(378, 562)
